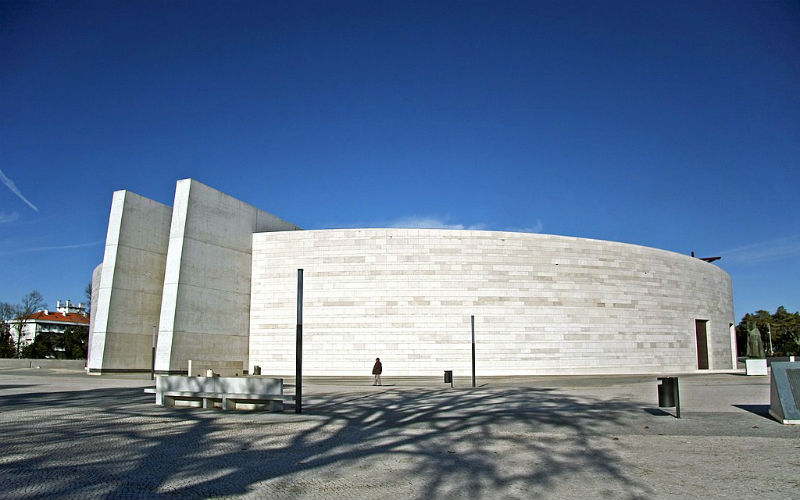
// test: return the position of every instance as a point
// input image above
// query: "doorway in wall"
(701, 333)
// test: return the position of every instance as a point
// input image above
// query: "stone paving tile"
(65, 435)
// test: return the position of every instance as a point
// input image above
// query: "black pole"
(298, 391)
(677, 396)
(153, 366)
(472, 320)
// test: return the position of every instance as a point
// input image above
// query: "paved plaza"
(67, 435)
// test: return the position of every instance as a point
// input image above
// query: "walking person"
(377, 369)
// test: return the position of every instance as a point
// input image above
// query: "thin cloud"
(6, 218)
(536, 228)
(13, 187)
(432, 222)
(51, 248)
(764, 251)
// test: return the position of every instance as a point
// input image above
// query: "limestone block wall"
(206, 289)
(543, 304)
(127, 298)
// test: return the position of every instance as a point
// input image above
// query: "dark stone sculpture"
(755, 346)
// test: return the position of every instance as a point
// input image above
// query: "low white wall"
(543, 304)
(199, 367)
(70, 364)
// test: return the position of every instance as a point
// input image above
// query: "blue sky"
(671, 125)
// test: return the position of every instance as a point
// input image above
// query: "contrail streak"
(6, 218)
(13, 187)
(50, 248)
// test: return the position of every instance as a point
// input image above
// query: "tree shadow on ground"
(114, 443)
(16, 386)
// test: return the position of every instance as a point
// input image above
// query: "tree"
(42, 347)
(7, 349)
(87, 292)
(75, 342)
(783, 328)
(31, 303)
(70, 344)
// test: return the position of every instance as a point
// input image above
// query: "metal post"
(769, 332)
(298, 391)
(153, 366)
(472, 320)
(677, 400)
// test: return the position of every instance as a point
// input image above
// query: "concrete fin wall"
(205, 305)
(93, 308)
(126, 300)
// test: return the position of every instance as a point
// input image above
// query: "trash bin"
(669, 394)
(256, 370)
(448, 377)
(666, 392)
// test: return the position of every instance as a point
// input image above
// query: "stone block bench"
(229, 392)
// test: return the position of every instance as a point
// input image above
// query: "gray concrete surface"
(67, 435)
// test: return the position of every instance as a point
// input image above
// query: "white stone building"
(216, 280)
(65, 316)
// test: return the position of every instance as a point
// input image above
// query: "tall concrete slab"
(93, 307)
(205, 306)
(126, 300)
(784, 398)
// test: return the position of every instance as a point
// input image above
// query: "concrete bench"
(227, 401)
(230, 392)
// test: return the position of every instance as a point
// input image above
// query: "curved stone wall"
(543, 304)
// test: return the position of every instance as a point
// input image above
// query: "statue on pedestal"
(755, 346)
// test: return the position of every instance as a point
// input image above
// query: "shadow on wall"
(115, 443)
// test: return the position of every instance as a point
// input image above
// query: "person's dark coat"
(377, 369)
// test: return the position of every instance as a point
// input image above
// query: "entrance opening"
(700, 329)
